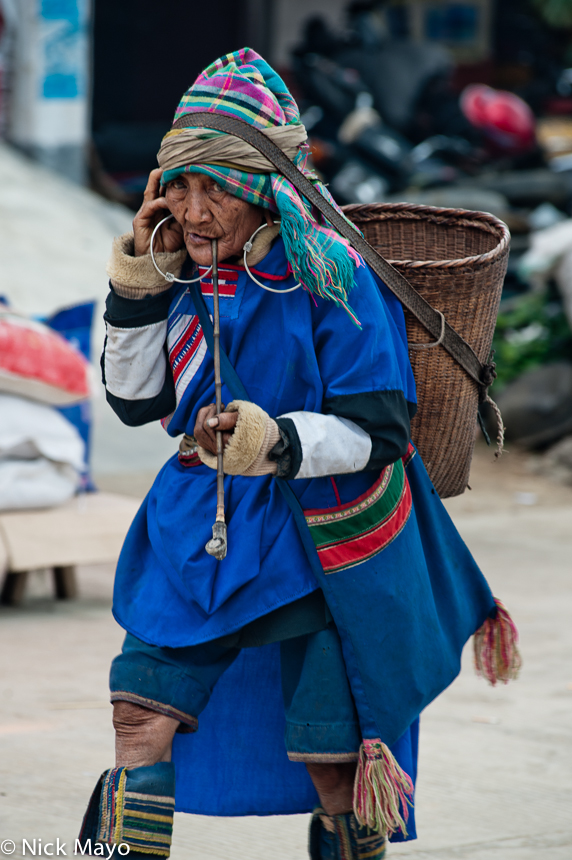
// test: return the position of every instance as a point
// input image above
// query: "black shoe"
(340, 837)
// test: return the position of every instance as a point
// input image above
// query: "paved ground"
(495, 768)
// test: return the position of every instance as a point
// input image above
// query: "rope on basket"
(488, 377)
(500, 426)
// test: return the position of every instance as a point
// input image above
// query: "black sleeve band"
(287, 453)
(133, 313)
(384, 415)
(134, 413)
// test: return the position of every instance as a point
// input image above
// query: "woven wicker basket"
(457, 260)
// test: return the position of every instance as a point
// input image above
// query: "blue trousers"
(321, 719)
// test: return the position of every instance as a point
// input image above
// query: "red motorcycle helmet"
(504, 118)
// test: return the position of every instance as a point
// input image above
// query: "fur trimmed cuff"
(136, 277)
(247, 451)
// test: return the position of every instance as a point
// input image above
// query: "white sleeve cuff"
(330, 445)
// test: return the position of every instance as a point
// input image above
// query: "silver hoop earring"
(248, 247)
(169, 275)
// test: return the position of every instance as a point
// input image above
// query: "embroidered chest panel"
(186, 345)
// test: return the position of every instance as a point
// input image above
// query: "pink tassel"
(497, 657)
(380, 790)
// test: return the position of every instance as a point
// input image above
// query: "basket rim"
(419, 211)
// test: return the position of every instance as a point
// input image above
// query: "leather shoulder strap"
(431, 319)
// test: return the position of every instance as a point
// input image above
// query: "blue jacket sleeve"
(365, 371)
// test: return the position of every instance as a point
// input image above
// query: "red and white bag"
(38, 363)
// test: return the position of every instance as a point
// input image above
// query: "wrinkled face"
(205, 212)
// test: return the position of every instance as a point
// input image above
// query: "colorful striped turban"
(243, 85)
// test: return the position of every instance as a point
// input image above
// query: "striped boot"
(131, 807)
(340, 837)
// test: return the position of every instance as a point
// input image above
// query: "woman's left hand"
(205, 431)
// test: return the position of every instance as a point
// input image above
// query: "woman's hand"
(205, 431)
(155, 207)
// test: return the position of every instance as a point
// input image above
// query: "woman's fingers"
(208, 423)
(226, 421)
(153, 187)
(203, 433)
(172, 236)
(145, 221)
(153, 209)
(153, 193)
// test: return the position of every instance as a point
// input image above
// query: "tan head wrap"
(201, 146)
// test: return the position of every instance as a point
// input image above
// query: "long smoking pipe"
(218, 545)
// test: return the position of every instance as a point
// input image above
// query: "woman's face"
(205, 212)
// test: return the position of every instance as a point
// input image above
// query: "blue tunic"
(292, 352)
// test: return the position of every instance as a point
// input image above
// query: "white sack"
(41, 455)
(29, 430)
(35, 484)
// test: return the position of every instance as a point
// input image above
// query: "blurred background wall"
(89, 86)
(47, 81)
(144, 57)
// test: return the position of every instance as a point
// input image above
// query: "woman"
(361, 628)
